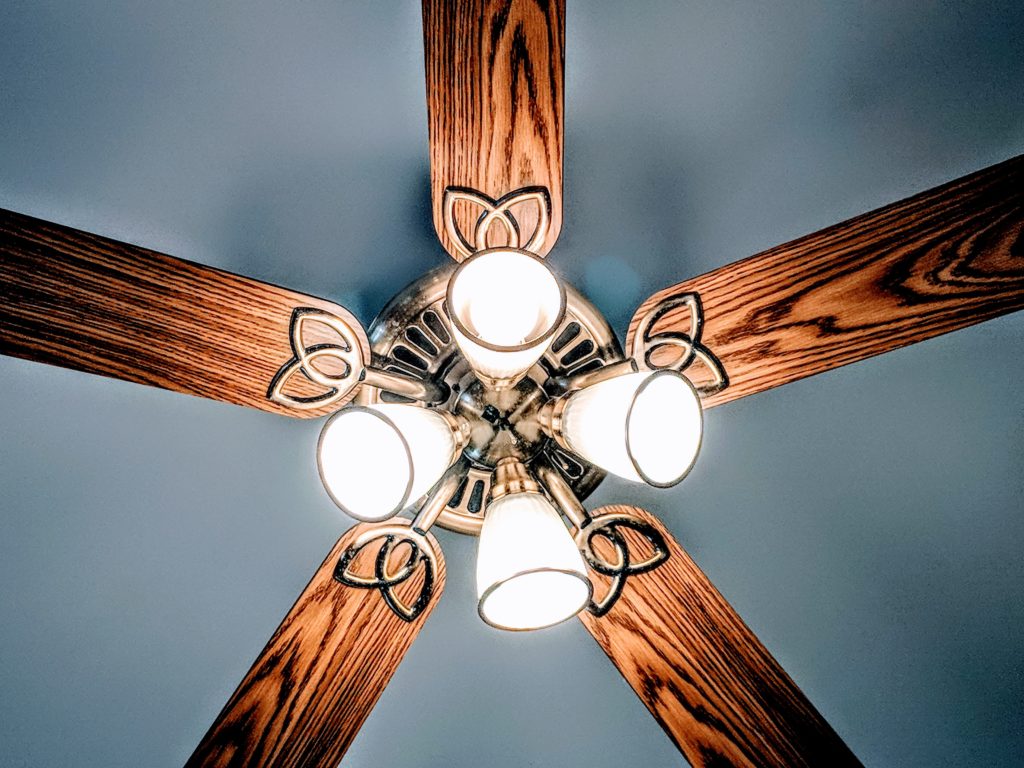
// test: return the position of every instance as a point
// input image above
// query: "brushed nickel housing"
(412, 338)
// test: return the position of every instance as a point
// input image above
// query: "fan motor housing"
(412, 336)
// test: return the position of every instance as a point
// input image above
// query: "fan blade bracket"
(613, 545)
(331, 361)
(532, 203)
(378, 551)
(674, 349)
(334, 363)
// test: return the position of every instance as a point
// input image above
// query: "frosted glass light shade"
(505, 305)
(640, 426)
(529, 573)
(376, 460)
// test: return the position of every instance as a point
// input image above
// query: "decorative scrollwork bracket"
(612, 528)
(347, 351)
(389, 538)
(646, 343)
(496, 212)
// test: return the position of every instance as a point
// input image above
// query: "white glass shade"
(374, 461)
(529, 573)
(505, 305)
(641, 426)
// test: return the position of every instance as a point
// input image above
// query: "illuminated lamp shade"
(505, 306)
(640, 426)
(376, 460)
(529, 572)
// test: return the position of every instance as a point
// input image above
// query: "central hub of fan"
(414, 335)
(502, 423)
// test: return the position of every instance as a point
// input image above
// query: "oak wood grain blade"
(82, 301)
(942, 260)
(709, 682)
(495, 71)
(313, 685)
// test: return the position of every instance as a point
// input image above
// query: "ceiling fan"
(942, 260)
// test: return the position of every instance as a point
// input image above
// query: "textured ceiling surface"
(866, 523)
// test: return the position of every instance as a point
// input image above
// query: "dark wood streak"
(82, 301)
(495, 90)
(306, 696)
(702, 673)
(942, 260)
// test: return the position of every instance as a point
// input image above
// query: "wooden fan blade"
(936, 262)
(702, 673)
(306, 696)
(87, 302)
(494, 72)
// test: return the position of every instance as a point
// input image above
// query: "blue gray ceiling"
(866, 523)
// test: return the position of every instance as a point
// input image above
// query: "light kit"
(496, 361)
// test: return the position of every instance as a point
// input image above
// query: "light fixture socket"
(461, 429)
(550, 419)
(511, 476)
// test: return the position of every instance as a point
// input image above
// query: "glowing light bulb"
(641, 426)
(505, 305)
(376, 460)
(529, 571)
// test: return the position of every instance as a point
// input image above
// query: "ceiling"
(866, 523)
